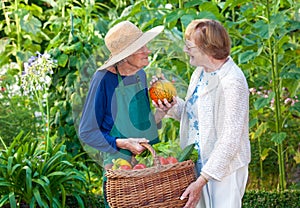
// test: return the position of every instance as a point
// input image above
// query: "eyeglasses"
(189, 45)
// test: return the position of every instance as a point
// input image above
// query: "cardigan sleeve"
(231, 123)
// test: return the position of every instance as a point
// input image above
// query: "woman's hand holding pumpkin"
(162, 106)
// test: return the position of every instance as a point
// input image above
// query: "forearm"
(176, 111)
(159, 115)
(96, 139)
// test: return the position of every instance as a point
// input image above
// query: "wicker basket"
(158, 186)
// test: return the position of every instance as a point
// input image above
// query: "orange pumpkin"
(162, 89)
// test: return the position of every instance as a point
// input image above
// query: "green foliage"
(23, 31)
(266, 49)
(186, 153)
(75, 41)
(288, 198)
(30, 174)
(17, 112)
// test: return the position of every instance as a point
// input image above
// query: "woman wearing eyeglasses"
(214, 117)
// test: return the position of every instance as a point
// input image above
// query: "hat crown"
(121, 36)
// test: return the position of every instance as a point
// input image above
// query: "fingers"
(185, 194)
(142, 140)
(190, 204)
(193, 193)
(135, 146)
(154, 103)
(138, 150)
(153, 80)
(164, 105)
(174, 100)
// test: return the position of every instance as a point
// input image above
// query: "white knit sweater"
(223, 116)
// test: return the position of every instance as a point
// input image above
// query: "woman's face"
(140, 58)
(197, 57)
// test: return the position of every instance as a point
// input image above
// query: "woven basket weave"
(158, 186)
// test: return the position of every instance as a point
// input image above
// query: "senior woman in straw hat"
(116, 117)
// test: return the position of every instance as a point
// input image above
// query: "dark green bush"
(286, 199)
(91, 201)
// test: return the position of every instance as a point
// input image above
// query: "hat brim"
(136, 45)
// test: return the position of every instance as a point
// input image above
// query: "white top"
(223, 115)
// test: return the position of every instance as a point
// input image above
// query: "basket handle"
(156, 161)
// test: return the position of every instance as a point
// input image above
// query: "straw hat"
(124, 39)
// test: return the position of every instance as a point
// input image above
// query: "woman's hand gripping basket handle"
(156, 161)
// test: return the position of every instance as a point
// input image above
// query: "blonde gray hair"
(210, 36)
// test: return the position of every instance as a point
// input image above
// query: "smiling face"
(133, 63)
(139, 59)
(197, 57)
(207, 44)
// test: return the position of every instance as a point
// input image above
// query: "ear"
(211, 59)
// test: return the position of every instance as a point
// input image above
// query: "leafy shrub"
(31, 175)
(15, 108)
(92, 201)
(290, 199)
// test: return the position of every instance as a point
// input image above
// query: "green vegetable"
(186, 153)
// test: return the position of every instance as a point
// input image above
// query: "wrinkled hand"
(156, 78)
(162, 108)
(193, 192)
(132, 144)
(164, 105)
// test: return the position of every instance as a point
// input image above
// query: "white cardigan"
(223, 121)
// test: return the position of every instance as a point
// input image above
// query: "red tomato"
(163, 161)
(125, 167)
(139, 166)
(172, 160)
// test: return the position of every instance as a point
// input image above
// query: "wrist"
(201, 180)
(159, 115)
(204, 178)
(121, 143)
(161, 112)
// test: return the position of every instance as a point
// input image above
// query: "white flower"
(36, 71)
(46, 55)
(48, 80)
(37, 114)
(168, 6)
(26, 66)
